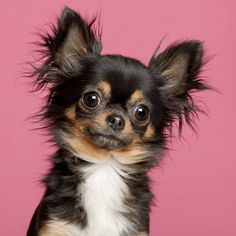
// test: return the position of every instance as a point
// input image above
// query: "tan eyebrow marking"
(105, 87)
(136, 96)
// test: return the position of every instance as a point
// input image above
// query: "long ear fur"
(61, 50)
(176, 71)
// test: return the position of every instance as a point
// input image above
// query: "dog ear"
(71, 39)
(176, 71)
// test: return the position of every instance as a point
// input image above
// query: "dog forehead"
(122, 77)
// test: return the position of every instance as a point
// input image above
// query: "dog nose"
(116, 122)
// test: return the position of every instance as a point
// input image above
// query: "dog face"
(114, 107)
(109, 105)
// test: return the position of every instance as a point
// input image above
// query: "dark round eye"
(141, 113)
(91, 99)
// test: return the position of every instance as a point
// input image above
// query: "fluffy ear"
(70, 39)
(176, 71)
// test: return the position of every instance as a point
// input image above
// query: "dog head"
(103, 106)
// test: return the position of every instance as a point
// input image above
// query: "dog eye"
(141, 113)
(91, 99)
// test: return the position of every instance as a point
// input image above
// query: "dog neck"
(104, 193)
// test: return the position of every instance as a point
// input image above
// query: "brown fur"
(150, 131)
(136, 97)
(105, 88)
(80, 144)
(51, 229)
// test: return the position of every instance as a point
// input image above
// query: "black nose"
(116, 122)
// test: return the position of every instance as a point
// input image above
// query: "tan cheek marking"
(149, 132)
(130, 155)
(129, 131)
(136, 138)
(51, 229)
(78, 142)
(128, 128)
(137, 96)
(70, 112)
(101, 117)
(105, 87)
(82, 146)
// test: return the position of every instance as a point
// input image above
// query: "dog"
(110, 118)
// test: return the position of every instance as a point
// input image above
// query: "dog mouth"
(106, 141)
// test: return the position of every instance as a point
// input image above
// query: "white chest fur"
(103, 193)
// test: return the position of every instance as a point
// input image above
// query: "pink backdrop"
(196, 187)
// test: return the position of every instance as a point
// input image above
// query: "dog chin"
(106, 141)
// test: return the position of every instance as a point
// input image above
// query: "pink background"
(196, 187)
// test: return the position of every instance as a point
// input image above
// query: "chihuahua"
(110, 118)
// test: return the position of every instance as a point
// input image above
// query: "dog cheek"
(70, 113)
(75, 139)
(150, 132)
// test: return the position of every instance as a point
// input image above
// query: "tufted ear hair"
(71, 38)
(176, 71)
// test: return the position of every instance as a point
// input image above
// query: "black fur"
(68, 68)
